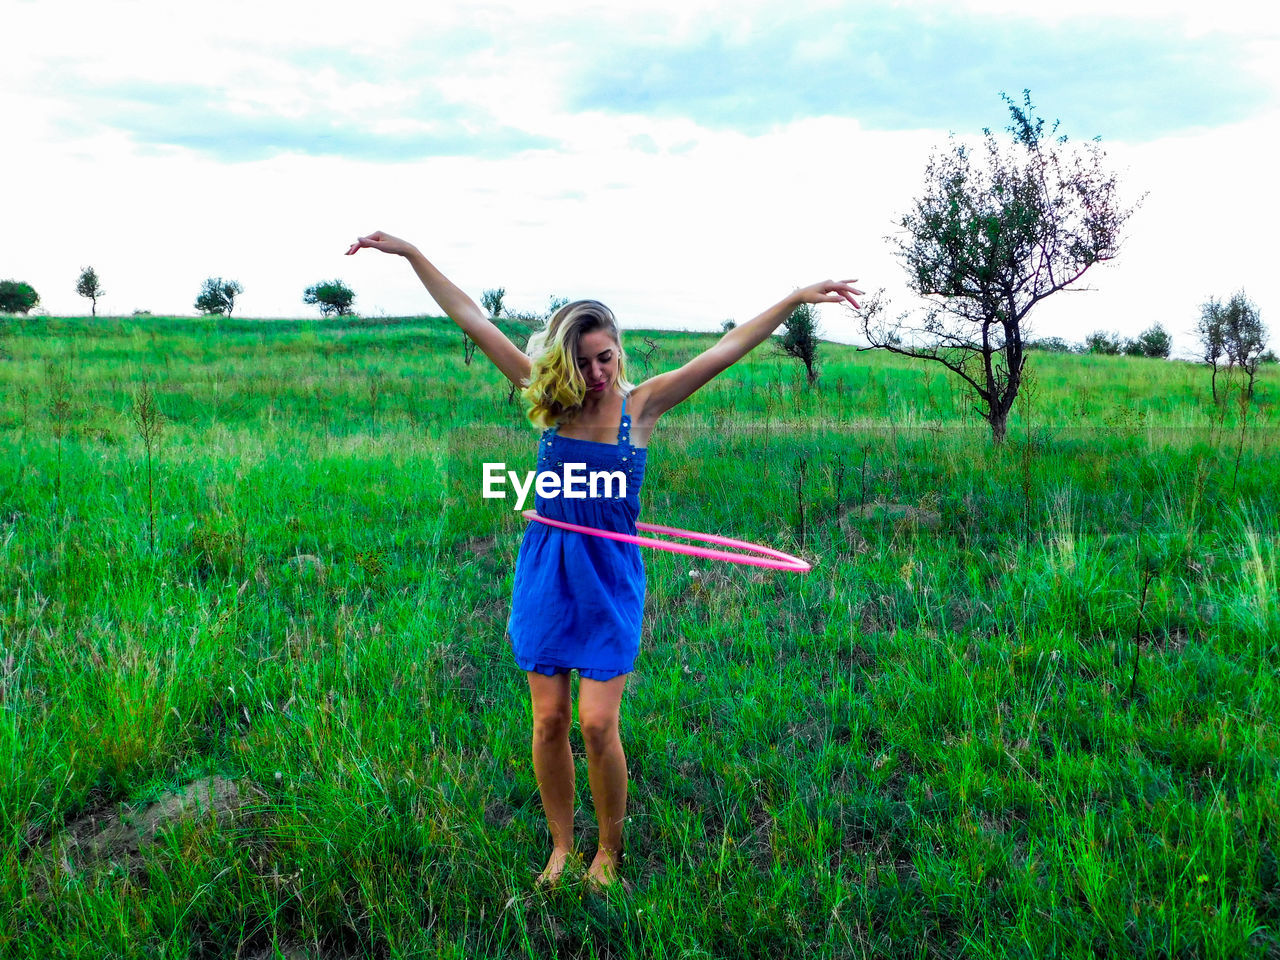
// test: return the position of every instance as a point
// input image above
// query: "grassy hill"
(1024, 700)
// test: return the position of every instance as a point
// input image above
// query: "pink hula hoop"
(783, 561)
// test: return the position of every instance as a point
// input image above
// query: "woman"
(577, 600)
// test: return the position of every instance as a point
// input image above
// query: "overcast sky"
(681, 163)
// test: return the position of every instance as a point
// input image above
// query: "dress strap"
(624, 428)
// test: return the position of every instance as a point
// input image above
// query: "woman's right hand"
(384, 242)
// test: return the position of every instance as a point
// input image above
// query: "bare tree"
(651, 347)
(990, 238)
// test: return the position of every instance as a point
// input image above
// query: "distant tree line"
(1229, 335)
(1153, 342)
(217, 296)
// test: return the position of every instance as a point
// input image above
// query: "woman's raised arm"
(506, 356)
(666, 390)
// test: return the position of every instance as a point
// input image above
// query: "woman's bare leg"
(598, 704)
(553, 764)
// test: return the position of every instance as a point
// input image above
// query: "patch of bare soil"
(117, 837)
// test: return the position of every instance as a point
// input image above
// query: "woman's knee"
(551, 706)
(599, 729)
(551, 725)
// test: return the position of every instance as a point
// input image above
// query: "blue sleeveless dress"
(578, 600)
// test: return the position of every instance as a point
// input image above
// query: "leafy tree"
(17, 297)
(1152, 342)
(1234, 329)
(728, 325)
(1102, 342)
(1209, 329)
(218, 296)
(89, 286)
(992, 236)
(800, 339)
(1244, 335)
(333, 296)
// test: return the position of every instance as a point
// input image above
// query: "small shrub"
(1153, 342)
(17, 297)
(212, 551)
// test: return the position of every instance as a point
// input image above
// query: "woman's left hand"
(829, 291)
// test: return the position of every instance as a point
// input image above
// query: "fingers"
(833, 291)
(844, 293)
(839, 284)
(841, 292)
(370, 241)
(838, 298)
(379, 241)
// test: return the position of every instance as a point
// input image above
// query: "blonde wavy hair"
(555, 387)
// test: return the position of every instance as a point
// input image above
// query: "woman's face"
(597, 361)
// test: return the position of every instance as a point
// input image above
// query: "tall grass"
(1043, 725)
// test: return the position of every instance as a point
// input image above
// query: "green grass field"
(1033, 715)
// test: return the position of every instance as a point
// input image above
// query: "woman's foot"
(603, 873)
(555, 866)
